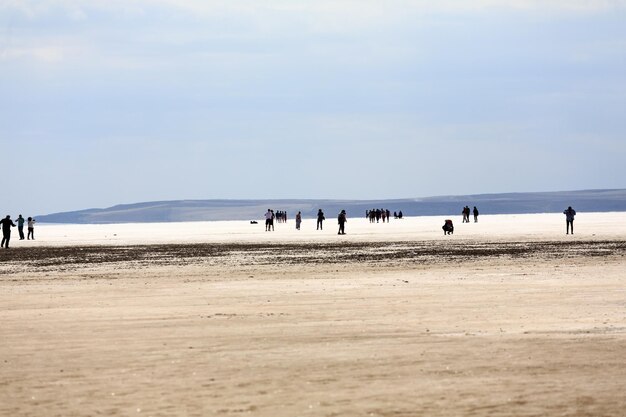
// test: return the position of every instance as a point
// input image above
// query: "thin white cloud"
(42, 54)
(321, 9)
(77, 14)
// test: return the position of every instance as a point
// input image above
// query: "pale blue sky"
(107, 102)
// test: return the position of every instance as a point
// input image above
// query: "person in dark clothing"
(569, 219)
(20, 226)
(448, 227)
(475, 215)
(320, 219)
(341, 219)
(6, 223)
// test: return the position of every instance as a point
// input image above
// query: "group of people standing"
(375, 215)
(270, 216)
(448, 226)
(7, 224)
(466, 214)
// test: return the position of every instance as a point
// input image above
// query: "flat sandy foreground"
(507, 317)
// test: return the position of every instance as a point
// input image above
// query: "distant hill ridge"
(206, 210)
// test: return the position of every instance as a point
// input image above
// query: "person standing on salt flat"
(569, 219)
(7, 224)
(341, 219)
(31, 229)
(298, 220)
(320, 219)
(268, 220)
(20, 226)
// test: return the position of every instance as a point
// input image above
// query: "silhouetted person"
(320, 219)
(342, 219)
(31, 229)
(400, 214)
(569, 219)
(298, 220)
(475, 215)
(466, 214)
(7, 224)
(448, 227)
(20, 226)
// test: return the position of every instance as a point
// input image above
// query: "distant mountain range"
(203, 210)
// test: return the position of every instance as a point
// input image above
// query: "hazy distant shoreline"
(213, 210)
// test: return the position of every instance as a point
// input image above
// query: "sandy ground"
(375, 323)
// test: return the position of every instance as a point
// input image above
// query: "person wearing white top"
(31, 228)
(268, 219)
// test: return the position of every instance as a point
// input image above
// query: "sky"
(104, 102)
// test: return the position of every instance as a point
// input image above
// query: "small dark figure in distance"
(400, 214)
(320, 219)
(448, 227)
(341, 219)
(298, 220)
(31, 229)
(569, 219)
(7, 224)
(475, 215)
(20, 226)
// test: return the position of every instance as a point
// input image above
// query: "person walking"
(7, 224)
(475, 215)
(320, 219)
(298, 220)
(20, 226)
(569, 219)
(341, 219)
(31, 229)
